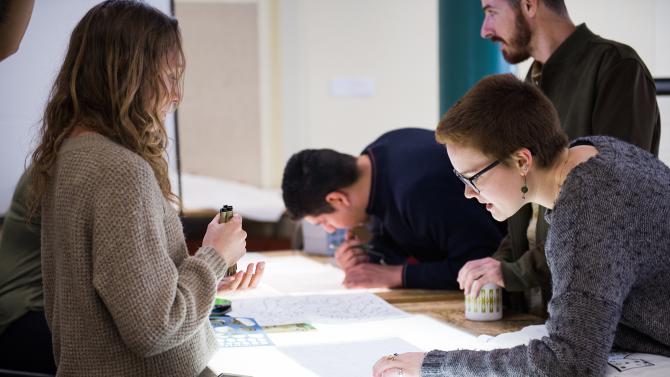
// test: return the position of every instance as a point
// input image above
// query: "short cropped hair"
(501, 114)
(556, 6)
(310, 175)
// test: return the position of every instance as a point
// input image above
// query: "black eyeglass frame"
(471, 181)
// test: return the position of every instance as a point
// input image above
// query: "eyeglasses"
(471, 181)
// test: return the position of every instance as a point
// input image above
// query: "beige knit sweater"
(122, 296)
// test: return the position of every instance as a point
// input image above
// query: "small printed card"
(293, 327)
(239, 332)
(622, 361)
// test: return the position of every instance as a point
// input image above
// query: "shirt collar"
(577, 41)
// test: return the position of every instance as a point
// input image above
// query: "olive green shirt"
(20, 266)
(599, 87)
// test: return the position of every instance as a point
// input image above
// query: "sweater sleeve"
(566, 351)
(626, 107)
(432, 275)
(155, 302)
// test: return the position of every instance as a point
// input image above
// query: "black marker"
(225, 214)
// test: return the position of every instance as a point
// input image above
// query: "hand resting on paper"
(405, 364)
(247, 279)
(369, 275)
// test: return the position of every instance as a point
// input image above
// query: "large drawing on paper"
(329, 309)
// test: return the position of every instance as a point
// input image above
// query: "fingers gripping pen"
(225, 215)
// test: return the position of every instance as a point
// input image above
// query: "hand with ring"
(406, 365)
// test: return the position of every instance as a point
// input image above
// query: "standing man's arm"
(14, 18)
(518, 272)
(626, 105)
(515, 275)
(529, 271)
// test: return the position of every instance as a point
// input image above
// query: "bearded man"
(598, 86)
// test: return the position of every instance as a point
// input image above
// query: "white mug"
(486, 307)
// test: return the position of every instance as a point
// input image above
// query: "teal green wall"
(465, 57)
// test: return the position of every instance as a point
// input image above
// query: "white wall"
(26, 78)
(391, 44)
(304, 44)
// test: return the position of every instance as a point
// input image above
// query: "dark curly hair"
(310, 175)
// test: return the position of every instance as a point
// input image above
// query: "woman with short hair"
(608, 246)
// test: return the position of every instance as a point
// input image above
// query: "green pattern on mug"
(488, 301)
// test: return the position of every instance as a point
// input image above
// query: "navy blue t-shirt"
(418, 210)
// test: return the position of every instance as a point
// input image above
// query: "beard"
(517, 49)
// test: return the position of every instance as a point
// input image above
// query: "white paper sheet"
(315, 309)
(293, 275)
(297, 275)
(354, 359)
(335, 343)
(620, 363)
(511, 339)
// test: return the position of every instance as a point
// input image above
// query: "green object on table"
(293, 327)
(222, 301)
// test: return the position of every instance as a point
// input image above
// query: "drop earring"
(524, 188)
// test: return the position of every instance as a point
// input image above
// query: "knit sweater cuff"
(214, 260)
(432, 363)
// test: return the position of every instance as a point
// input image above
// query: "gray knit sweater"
(608, 250)
(122, 296)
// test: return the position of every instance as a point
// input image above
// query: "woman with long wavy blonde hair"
(122, 295)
